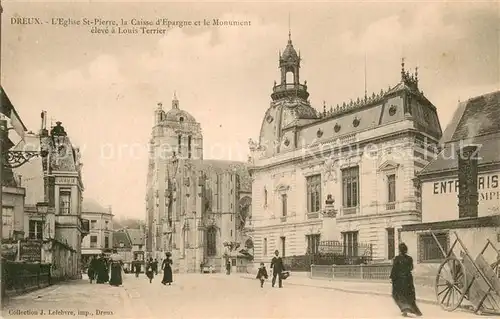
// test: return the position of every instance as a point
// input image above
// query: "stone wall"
(474, 239)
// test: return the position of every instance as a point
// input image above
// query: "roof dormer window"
(181, 119)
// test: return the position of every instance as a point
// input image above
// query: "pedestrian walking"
(403, 288)
(228, 267)
(278, 268)
(102, 270)
(166, 266)
(155, 266)
(136, 264)
(149, 270)
(262, 274)
(116, 266)
(91, 270)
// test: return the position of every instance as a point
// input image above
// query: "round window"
(392, 110)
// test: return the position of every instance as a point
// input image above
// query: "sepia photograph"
(301, 159)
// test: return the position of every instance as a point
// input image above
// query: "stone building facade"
(100, 238)
(363, 155)
(54, 181)
(193, 205)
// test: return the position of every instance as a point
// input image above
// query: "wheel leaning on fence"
(451, 283)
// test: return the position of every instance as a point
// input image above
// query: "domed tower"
(289, 107)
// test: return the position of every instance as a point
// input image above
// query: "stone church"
(361, 156)
(195, 208)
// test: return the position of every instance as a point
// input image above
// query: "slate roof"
(136, 236)
(90, 205)
(221, 166)
(476, 121)
(121, 236)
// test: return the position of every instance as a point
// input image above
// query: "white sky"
(104, 88)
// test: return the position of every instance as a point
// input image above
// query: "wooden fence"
(22, 277)
(377, 272)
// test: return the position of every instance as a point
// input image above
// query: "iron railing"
(373, 272)
(22, 277)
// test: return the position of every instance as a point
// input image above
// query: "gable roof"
(136, 236)
(120, 236)
(476, 121)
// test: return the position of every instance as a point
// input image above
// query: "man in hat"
(277, 267)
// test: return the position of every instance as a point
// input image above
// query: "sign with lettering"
(66, 180)
(440, 197)
(31, 251)
(487, 186)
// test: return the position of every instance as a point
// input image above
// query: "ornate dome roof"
(179, 115)
(289, 53)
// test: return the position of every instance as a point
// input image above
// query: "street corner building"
(100, 238)
(48, 227)
(308, 160)
(196, 209)
(460, 189)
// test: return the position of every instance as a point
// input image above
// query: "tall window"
(211, 242)
(284, 204)
(391, 243)
(179, 144)
(265, 247)
(313, 193)
(7, 221)
(189, 146)
(428, 249)
(265, 197)
(35, 229)
(106, 242)
(65, 202)
(93, 241)
(391, 188)
(106, 225)
(350, 186)
(350, 243)
(283, 246)
(93, 224)
(313, 243)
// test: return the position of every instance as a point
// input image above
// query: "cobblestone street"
(207, 296)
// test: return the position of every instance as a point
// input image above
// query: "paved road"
(215, 296)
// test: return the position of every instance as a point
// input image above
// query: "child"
(262, 274)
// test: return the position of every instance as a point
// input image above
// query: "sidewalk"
(424, 294)
(77, 298)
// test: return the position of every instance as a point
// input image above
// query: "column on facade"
(198, 199)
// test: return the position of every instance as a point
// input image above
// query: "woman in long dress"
(149, 270)
(167, 270)
(101, 271)
(116, 269)
(403, 289)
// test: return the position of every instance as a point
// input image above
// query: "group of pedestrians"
(151, 269)
(403, 288)
(104, 270)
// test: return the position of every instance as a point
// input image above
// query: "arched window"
(211, 242)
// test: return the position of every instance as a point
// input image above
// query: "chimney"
(467, 180)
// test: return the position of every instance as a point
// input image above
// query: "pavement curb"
(354, 291)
